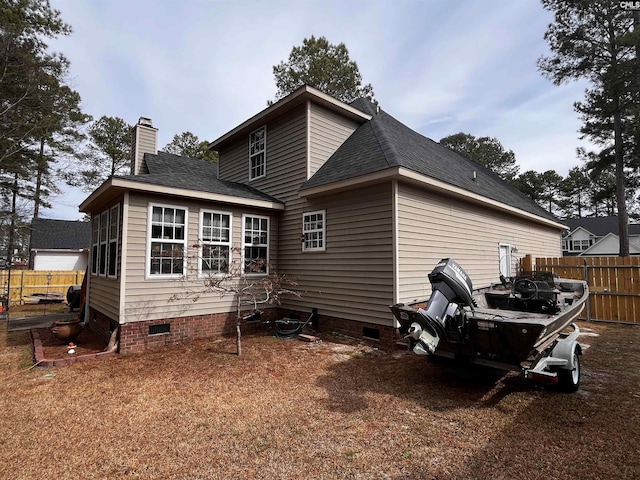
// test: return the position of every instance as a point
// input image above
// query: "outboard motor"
(451, 289)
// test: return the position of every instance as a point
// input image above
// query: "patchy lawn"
(295, 410)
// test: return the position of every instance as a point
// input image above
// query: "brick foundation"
(135, 337)
(387, 335)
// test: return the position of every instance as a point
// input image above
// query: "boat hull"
(495, 332)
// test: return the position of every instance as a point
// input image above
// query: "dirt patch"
(288, 409)
(86, 343)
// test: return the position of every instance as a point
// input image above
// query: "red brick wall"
(355, 329)
(134, 337)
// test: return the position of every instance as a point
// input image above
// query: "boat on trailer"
(523, 324)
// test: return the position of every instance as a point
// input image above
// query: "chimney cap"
(146, 121)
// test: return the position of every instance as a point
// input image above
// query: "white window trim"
(264, 153)
(95, 244)
(202, 242)
(103, 262)
(244, 217)
(115, 240)
(147, 267)
(323, 230)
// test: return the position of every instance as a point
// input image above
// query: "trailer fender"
(566, 347)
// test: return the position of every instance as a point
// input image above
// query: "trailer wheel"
(569, 380)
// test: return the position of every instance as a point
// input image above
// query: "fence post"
(586, 279)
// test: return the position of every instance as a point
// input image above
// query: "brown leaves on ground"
(288, 409)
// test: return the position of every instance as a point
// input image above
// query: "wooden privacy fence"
(614, 284)
(28, 282)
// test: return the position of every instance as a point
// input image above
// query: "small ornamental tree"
(252, 282)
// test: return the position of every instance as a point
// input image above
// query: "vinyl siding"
(327, 132)
(432, 227)
(353, 277)
(149, 299)
(286, 153)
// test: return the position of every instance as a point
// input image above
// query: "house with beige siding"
(343, 197)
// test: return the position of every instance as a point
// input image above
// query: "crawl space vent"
(158, 329)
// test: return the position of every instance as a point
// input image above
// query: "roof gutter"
(409, 176)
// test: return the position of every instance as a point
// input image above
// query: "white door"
(505, 259)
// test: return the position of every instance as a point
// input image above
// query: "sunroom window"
(167, 241)
(215, 232)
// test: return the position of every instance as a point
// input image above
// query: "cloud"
(440, 67)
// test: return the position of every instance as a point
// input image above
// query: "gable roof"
(599, 226)
(610, 245)
(191, 177)
(383, 142)
(48, 234)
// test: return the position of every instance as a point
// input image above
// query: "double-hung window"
(105, 231)
(215, 232)
(257, 153)
(104, 238)
(167, 242)
(255, 243)
(95, 243)
(313, 230)
(114, 226)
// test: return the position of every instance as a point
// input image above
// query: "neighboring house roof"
(599, 226)
(48, 234)
(186, 176)
(384, 142)
(610, 245)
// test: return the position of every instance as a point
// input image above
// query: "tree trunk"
(623, 217)
(12, 230)
(37, 194)
(238, 331)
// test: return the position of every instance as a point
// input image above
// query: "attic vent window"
(159, 329)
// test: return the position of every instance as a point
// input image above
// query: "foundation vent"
(371, 333)
(159, 329)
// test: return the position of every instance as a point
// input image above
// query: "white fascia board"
(196, 194)
(96, 194)
(310, 92)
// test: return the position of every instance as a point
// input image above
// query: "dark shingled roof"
(59, 234)
(384, 142)
(600, 226)
(168, 170)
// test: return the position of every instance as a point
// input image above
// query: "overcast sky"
(438, 66)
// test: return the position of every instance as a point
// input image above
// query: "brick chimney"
(144, 139)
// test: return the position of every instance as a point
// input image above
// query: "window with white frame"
(95, 243)
(114, 227)
(104, 238)
(257, 153)
(313, 229)
(167, 242)
(255, 244)
(580, 245)
(105, 231)
(215, 251)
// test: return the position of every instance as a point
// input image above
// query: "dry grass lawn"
(333, 410)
